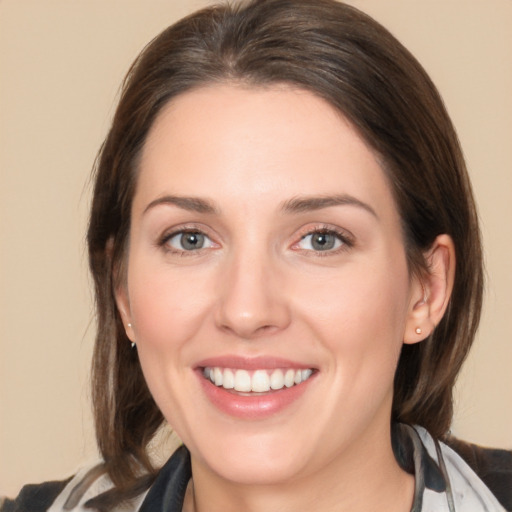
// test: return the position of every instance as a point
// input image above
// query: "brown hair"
(345, 57)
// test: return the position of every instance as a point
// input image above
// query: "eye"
(322, 241)
(188, 241)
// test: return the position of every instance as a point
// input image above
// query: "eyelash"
(164, 241)
(346, 239)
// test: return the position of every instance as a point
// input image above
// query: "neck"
(361, 479)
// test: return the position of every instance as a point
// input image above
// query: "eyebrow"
(192, 204)
(294, 205)
(311, 203)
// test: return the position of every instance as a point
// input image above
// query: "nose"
(252, 297)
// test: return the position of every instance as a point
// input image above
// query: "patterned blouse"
(444, 482)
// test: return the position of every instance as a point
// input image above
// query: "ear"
(120, 292)
(431, 293)
(123, 306)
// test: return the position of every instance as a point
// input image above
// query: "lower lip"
(252, 407)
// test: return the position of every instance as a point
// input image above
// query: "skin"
(258, 287)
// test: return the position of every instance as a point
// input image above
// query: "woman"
(288, 271)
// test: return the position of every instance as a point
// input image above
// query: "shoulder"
(36, 498)
(92, 490)
(71, 494)
(480, 478)
(492, 465)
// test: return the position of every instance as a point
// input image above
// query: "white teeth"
(305, 374)
(277, 379)
(289, 378)
(217, 376)
(229, 379)
(261, 381)
(243, 381)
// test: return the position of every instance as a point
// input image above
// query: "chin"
(257, 460)
(256, 471)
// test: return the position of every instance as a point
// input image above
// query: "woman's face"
(266, 249)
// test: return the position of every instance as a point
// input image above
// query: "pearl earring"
(418, 330)
(133, 342)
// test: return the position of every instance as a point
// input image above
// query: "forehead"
(257, 143)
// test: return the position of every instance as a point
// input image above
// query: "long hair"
(348, 59)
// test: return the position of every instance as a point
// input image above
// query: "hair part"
(348, 59)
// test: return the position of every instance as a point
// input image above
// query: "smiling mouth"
(257, 381)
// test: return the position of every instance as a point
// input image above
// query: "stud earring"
(133, 342)
(418, 330)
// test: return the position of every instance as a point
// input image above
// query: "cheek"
(357, 299)
(360, 317)
(166, 306)
(167, 310)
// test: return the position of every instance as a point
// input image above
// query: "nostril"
(249, 304)
(249, 331)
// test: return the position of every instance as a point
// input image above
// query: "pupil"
(191, 241)
(322, 241)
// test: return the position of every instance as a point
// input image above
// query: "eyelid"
(347, 238)
(179, 234)
(170, 233)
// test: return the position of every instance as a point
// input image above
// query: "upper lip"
(251, 363)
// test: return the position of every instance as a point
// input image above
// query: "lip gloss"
(251, 406)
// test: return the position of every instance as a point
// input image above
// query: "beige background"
(61, 62)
